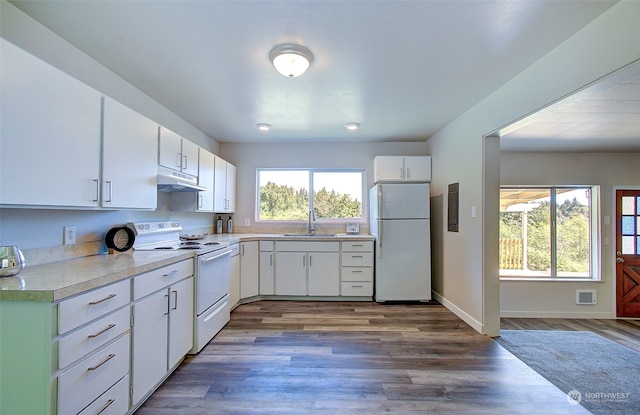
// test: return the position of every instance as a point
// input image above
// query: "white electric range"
(212, 273)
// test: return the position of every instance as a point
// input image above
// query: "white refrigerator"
(400, 221)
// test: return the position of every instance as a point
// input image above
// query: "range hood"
(173, 181)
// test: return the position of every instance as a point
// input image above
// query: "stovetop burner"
(167, 236)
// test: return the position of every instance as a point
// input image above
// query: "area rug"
(601, 375)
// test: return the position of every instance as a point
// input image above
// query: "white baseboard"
(475, 324)
(556, 314)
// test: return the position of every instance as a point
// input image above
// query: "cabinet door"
(388, 168)
(231, 188)
(324, 273)
(189, 157)
(249, 269)
(234, 295)
(206, 165)
(417, 168)
(266, 273)
(291, 273)
(50, 144)
(220, 186)
(129, 164)
(170, 149)
(181, 316)
(150, 331)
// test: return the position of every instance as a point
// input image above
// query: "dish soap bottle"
(230, 225)
(219, 225)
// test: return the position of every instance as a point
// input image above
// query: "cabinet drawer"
(357, 246)
(360, 289)
(157, 279)
(84, 382)
(316, 246)
(81, 342)
(357, 274)
(266, 245)
(79, 310)
(363, 259)
(115, 401)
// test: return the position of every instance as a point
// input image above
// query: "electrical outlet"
(69, 235)
(247, 222)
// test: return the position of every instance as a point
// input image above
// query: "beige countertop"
(59, 280)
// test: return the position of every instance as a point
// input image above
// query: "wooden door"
(628, 253)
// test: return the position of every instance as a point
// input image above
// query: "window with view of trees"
(547, 232)
(284, 195)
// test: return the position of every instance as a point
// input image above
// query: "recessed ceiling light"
(352, 125)
(263, 126)
(291, 60)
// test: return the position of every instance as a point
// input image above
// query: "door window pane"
(627, 245)
(628, 205)
(627, 225)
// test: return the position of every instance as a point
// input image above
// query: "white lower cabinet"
(307, 268)
(249, 269)
(324, 273)
(234, 292)
(90, 378)
(356, 279)
(267, 268)
(115, 401)
(162, 325)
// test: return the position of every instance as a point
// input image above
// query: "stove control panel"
(146, 228)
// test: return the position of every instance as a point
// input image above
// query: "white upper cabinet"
(55, 150)
(177, 153)
(225, 186)
(402, 169)
(206, 165)
(50, 134)
(130, 146)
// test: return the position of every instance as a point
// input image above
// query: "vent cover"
(585, 297)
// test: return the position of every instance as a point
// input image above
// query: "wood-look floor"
(340, 358)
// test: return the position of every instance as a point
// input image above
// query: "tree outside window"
(546, 232)
(283, 194)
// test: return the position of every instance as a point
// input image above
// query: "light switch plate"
(353, 227)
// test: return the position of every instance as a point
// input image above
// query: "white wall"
(557, 299)
(35, 228)
(249, 157)
(469, 275)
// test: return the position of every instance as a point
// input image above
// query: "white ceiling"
(403, 69)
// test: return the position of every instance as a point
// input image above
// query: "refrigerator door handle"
(379, 239)
(379, 222)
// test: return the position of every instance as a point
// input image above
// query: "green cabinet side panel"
(25, 357)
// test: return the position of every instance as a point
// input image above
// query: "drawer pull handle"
(170, 274)
(356, 286)
(109, 297)
(109, 327)
(357, 245)
(111, 356)
(106, 405)
(356, 270)
(356, 256)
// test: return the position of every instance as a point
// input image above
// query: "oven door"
(213, 278)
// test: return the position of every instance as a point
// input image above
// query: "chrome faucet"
(311, 230)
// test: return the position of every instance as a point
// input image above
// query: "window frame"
(311, 171)
(594, 273)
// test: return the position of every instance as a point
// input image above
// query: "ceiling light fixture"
(291, 60)
(263, 126)
(352, 125)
